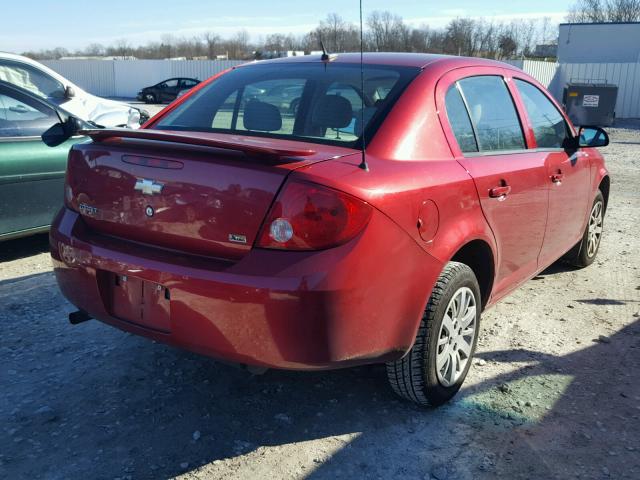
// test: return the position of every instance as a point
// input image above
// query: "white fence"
(124, 78)
(541, 71)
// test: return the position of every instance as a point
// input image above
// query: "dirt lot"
(554, 393)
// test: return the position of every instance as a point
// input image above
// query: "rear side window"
(549, 127)
(493, 113)
(316, 102)
(460, 121)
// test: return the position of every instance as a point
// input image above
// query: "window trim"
(525, 113)
(471, 122)
(447, 79)
(515, 109)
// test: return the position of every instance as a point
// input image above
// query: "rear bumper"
(354, 304)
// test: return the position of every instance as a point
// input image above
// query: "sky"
(73, 24)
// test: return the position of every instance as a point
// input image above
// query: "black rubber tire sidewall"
(436, 392)
(583, 260)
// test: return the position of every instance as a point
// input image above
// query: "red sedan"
(258, 234)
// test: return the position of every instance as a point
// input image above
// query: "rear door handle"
(500, 192)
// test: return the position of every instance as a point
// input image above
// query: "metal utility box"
(590, 103)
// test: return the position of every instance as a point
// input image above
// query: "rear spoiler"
(249, 145)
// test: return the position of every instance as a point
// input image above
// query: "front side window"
(32, 79)
(549, 127)
(21, 116)
(460, 121)
(493, 113)
(313, 102)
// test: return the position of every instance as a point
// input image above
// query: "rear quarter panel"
(413, 177)
(410, 165)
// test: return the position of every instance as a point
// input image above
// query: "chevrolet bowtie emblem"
(148, 187)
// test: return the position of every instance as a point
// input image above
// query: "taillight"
(307, 216)
(70, 196)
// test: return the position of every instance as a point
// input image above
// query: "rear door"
(170, 92)
(487, 138)
(568, 172)
(31, 174)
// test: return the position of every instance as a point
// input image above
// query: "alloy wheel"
(594, 232)
(456, 337)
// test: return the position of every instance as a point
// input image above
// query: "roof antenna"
(363, 163)
(326, 57)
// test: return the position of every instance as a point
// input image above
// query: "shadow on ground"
(24, 247)
(92, 402)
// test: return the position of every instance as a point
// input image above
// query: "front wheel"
(434, 369)
(585, 251)
(150, 98)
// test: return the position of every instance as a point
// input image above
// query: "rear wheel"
(584, 252)
(435, 368)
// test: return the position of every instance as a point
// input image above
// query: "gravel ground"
(554, 392)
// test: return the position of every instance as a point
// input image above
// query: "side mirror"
(69, 92)
(588, 137)
(61, 132)
(592, 137)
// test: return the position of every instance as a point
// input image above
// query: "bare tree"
(122, 48)
(592, 11)
(212, 41)
(385, 32)
(94, 50)
(337, 35)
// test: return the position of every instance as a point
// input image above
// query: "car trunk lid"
(200, 193)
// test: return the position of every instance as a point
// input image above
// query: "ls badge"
(235, 238)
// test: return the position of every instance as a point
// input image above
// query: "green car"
(31, 172)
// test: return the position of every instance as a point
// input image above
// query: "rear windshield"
(314, 102)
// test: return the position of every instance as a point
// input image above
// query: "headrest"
(368, 114)
(261, 116)
(332, 111)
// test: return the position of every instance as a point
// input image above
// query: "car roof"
(420, 60)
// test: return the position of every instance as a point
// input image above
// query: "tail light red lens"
(307, 216)
(70, 198)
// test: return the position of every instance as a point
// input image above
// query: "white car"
(43, 81)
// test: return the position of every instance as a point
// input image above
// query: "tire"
(415, 377)
(585, 251)
(149, 98)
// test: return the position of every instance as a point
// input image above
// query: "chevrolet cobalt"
(373, 223)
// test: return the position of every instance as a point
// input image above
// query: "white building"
(599, 43)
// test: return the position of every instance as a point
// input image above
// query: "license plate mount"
(139, 301)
